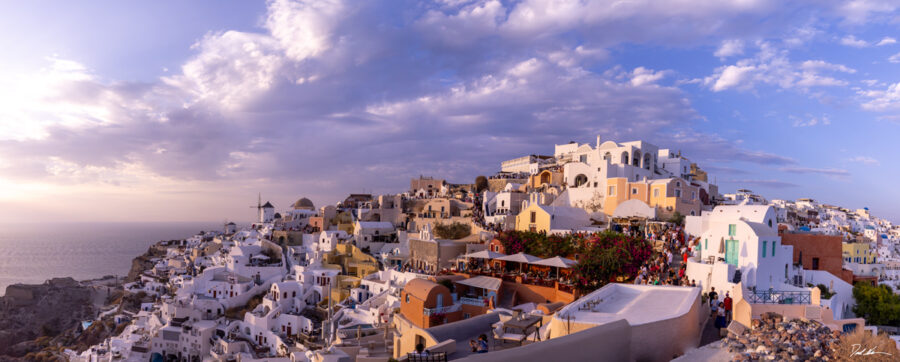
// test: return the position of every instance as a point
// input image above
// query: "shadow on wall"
(607, 342)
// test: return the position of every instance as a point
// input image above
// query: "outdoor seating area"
(521, 268)
(518, 330)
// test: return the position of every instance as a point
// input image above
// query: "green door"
(731, 252)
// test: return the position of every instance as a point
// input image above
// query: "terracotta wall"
(827, 248)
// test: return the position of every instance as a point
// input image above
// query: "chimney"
(598, 141)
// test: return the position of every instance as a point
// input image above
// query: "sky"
(185, 111)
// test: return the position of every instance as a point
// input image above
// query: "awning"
(482, 282)
(557, 261)
(520, 258)
(484, 254)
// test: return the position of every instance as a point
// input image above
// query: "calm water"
(33, 253)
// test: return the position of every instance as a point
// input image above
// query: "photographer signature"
(858, 350)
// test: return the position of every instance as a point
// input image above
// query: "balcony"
(478, 302)
(779, 297)
(442, 310)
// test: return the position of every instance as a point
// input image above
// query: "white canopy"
(520, 258)
(557, 261)
(484, 254)
(634, 207)
(482, 282)
(260, 256)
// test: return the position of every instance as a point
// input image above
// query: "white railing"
(442, 310)
(478, 302)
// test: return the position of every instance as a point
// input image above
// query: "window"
(407, 298)
(678, 184)
(612, 191)
(677, 193)
(533, 217)
(656, 193)
(774, 244)
(764, 249)
(595, 183)
(705, 244)
(693, 195)
(582, 158)
(815, 265)
(732, 229)
(634, 190)
(770, 222)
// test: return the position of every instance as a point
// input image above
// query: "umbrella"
(520, 258)
(484, 254)
(558, 262)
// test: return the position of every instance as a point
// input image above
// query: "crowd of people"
(667, 266)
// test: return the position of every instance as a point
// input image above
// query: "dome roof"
(304, 203)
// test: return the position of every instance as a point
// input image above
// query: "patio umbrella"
(558, 262)
(520, 258)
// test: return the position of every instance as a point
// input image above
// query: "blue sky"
(172, 110)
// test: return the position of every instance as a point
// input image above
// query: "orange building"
(427, 304)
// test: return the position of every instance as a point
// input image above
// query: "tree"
(878, 305)
(677, 218)
(481, 184)
(607, 256)
(452, 231)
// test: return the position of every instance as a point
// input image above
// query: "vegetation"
(677, 218)
(853, 346)
(607, 256)
(449, 284)
(603, 257)
(481, 184)
(826, 294)
(238, 312)
(878, 305)
(452, 231)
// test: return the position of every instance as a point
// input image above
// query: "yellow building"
(533, 218)
(538, 218)
(861, 253)
(665, 195)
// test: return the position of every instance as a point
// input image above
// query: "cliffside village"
(437, 272)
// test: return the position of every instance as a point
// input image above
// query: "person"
(720, 316)
(473, 345)
(713, 296)
(420, 350)
(727, 306)
(482, 344)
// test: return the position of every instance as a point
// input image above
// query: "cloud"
(820, 171)
(772, 66)
(865, 160)
(881, 100)
(643, 76)
(763, 183)
(730, 48)
(886, 41)
(371, 93)
(810, 121)
(851, 41)
(894, 58)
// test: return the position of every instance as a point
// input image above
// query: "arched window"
(624, 160)
(637, 159)
(580, 180)
(607, 156)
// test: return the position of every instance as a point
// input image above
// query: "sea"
(34, 252)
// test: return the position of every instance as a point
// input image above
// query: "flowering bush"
(608, 255)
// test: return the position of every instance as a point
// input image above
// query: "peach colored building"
(665, 195)
(426, 304)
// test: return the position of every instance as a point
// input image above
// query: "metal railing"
(478, 302)
(442, 310)
(779, 297)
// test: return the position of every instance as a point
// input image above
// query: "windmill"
(258, 207)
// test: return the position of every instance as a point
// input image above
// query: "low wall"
(608, 342)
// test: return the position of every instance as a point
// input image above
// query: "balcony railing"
(442, 310)
(779, 297)
(478, 302)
